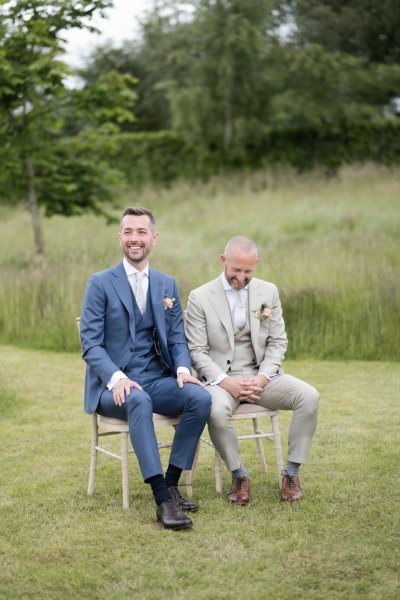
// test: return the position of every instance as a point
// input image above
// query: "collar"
(227, 287)
(130, 270)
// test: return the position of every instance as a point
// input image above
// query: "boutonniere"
(263, 311)
(168, 302)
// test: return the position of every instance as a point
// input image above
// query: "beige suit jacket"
(210, 335)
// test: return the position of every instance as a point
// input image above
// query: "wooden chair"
(106, 426)
(254, 412)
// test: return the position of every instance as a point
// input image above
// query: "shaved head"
(242, 243)
(239, 259)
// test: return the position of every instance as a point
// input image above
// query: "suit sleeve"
(92, 326)
(197, 335)
(176, 341)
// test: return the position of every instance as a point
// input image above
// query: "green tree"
(364, 28)
(221, 97)
(39, 162)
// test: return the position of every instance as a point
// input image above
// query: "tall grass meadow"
(331, 245)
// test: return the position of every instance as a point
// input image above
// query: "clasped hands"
(245, 389)
(123, 387)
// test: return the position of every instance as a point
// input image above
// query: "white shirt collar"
(228, 287)
(130, 269)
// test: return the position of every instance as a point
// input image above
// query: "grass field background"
(340, 542)
(332, 246)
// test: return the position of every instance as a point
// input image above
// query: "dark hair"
(138, 211)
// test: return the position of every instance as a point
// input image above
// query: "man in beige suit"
(237, 340)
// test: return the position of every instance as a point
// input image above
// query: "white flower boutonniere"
(168, 302)
(263, 311)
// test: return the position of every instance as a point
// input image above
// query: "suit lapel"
(120, 283)
(221, 306)
(255, 300)
(156, 287)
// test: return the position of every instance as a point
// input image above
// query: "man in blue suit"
(138, 362)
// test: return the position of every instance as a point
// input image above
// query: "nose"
(241, 276)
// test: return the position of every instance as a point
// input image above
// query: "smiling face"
(239, 267)
(136, 239)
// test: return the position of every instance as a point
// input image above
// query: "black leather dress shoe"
(171, 516)
(182, 502)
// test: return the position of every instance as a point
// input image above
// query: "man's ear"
(222, 258)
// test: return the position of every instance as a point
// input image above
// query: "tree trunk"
(34, 208)
(228, 128)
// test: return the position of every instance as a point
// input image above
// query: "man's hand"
(233, 385)
(185, 378)
(122, 388)
(252, 388)
(245, 389)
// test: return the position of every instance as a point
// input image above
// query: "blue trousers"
(162, 395)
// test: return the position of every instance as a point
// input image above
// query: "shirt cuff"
(269, 377)
(182, 370)
(219, 379)
(265, 375)
(115, 377)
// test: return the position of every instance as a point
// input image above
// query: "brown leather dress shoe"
(182, 502)
(239, 492)
(291, 490)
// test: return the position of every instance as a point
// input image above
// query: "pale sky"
(120, 24)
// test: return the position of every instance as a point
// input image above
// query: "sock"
(172, 475)
(240, 472)
(159, 488)
(292, 468)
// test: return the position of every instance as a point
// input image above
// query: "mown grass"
(341, 542)
(331, 245)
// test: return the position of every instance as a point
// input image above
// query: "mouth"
(134, 247)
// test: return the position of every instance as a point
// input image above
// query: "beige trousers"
(283, 392)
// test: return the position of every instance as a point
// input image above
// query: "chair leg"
(93, 453)
(190, 475)
(124, 464)
(278, 447)
(218, 473)
(195, 462)
(260, 447)
(187, 476)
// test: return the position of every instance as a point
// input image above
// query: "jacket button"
(228, 362)
(131, 349)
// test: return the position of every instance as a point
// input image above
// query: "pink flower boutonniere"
(168, 302)
(263, 312)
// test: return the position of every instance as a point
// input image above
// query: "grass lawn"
(341, 541)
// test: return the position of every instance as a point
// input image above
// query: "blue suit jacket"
(107, 327)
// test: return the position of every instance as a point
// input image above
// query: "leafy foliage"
(224, 73)
(40, 162)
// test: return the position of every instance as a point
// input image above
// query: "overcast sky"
(120, 24)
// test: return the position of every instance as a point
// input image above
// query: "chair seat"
(251, 411)
(119, 425)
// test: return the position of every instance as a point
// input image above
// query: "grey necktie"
(139, 292)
